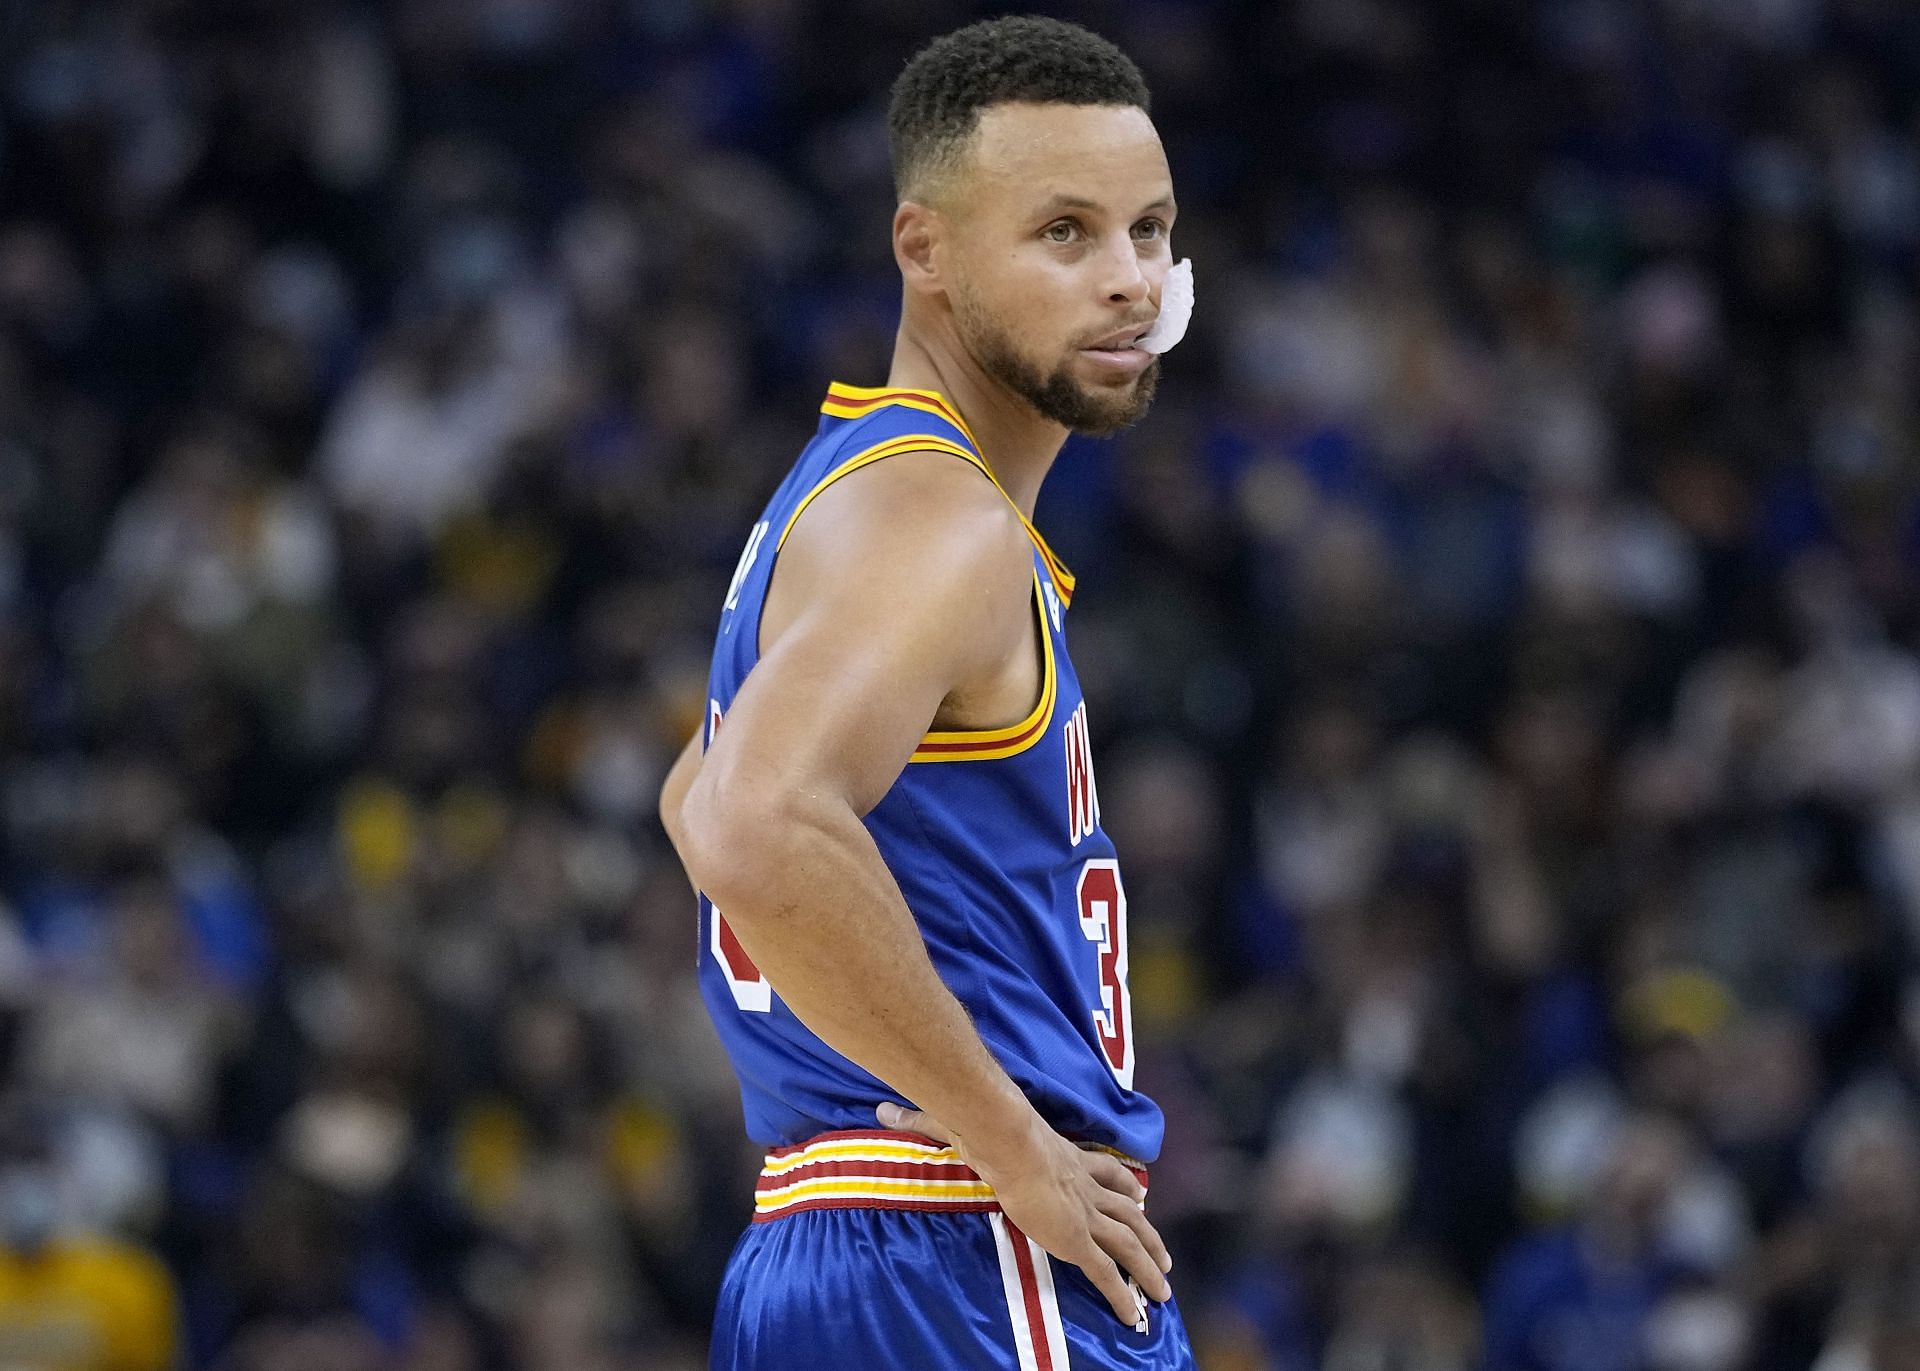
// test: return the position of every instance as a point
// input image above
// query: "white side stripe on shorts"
(1026, 1272)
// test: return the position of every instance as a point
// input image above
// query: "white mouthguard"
(1176, 308)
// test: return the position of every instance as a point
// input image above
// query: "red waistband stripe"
(871, 1170)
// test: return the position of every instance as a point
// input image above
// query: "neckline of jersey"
(865, 399)
(868, 398)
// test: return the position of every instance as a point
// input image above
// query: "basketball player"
(913, 929)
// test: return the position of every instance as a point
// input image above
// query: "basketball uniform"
(871, 1248)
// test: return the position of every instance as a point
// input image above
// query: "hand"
(1081, 1205)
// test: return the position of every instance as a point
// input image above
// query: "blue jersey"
(993, 836)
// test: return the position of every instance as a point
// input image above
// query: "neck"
(1016, 442)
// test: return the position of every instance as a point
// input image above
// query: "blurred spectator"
(1636, 1281)
(71, 1301)
(1839, 1284)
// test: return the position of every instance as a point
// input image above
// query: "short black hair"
(938, 97)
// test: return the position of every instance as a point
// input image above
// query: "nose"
(1126, 279)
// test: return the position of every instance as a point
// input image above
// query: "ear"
(916, 247)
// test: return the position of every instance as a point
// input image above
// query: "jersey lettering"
(747, 556)
(1083, 799)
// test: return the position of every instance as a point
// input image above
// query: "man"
(891, 815)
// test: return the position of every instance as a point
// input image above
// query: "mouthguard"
(1176, 308)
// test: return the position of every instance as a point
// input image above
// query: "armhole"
(973, 745)
(989, 744)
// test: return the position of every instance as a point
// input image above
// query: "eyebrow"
(1165, 202)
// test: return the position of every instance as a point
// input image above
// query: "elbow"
(672, 797)
(727, 843)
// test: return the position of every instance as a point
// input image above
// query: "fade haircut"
(937, 100)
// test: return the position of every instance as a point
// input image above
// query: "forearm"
(812, 902)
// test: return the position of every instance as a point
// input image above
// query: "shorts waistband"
(875, 1169)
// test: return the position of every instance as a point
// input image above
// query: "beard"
(1055, 395)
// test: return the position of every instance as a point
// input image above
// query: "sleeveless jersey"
(993, 836)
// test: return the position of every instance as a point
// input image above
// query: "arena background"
(1500, 642)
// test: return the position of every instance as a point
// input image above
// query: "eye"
(1060, 231)
(1149, 229)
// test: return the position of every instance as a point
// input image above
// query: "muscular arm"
(908, 581)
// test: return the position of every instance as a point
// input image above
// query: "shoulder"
(923, 523)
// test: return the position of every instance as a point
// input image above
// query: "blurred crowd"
(1500, 642)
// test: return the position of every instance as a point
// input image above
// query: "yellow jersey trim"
(854, 402)
(851, 402)
(990, 744)
(893, 447)
(974, 745)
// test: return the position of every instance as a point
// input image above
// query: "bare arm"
(673, 794)
(911, 580)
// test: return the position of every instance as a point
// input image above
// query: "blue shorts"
(880, 1250)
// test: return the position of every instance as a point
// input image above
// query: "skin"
(901, 603)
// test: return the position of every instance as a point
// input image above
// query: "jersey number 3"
(1103, 918)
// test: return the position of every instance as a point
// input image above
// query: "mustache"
(1141, 325)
